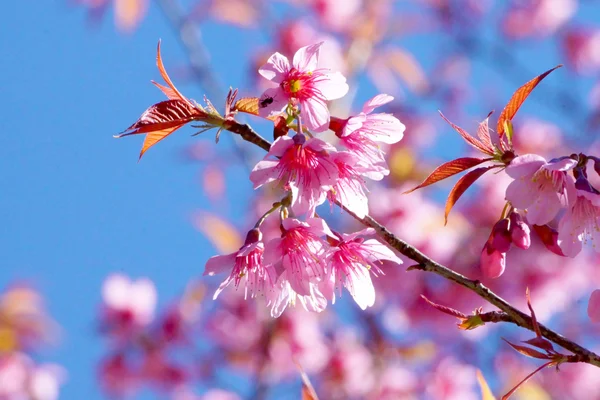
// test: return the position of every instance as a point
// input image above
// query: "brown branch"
(513, 315)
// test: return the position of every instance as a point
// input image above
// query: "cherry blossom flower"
(362, 133)
(298, 256)
(128, 304)
(580, 223)
(21, 378)
(304, 83)
(541, 187)
(302, 166)
(246, 263)
(283, 294)
(351, 261)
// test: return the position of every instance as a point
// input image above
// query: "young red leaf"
(162, 119)
(536, 327)
(463, 184)
(483, 132)
(476, 143)
(513, 390)
(528, 351)
(173, 93)
(517, 100)
(308, 391)
(448, 169)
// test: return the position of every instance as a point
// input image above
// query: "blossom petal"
(332, 86)
(545, 208)
(276, 68)
(307, 57)
(565, 164)
(219, 264)
(383, 128)
(376, 101)
(264, 171)
(525, 165)
(378, 251)
(360, 286)
(272, 101)
(315, 114)
(593, 310)
(521, 193)
(569, 238)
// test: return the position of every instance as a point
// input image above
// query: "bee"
(266, 101)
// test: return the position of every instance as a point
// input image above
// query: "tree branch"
(513, 315)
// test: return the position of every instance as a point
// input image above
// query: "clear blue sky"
(74, 203)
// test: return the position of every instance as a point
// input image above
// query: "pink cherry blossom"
(298, 255)
(283, 294)
(304, 83)
(362, 133)
(350, 189)
(541, 187)
(129, 304)
(351, 261)
(302, 166)
(580, 223)
(246, 263)
(594, 306)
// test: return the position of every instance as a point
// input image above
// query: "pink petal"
(545, 208)
(359, 285)
(307, 57)
(363, 232)
(315, 114)
(525, 165)
(353, 199)
(376, 101)
(274, 101)
(292, 223)
(319, 227)
(561, 165)
(276, 68)
(219, 264)
(569, 236)
(521, 193)
(383, 128)
(379, 251)
(332, 85)
(594, 306)
(264, 172)
(353, 124)
(280, 146)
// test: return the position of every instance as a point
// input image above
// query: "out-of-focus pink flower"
(541, 187)
(349, 189)
(582, 48)
(21, 378)
(452, 380)
(300, 253)
(594, 306)
(537, 18)
(301, 166)
(117, 376)
(246, 263)
(336, 15)
(304, 83)
(128, 304)
(580, 223)
(351, 262)
(218, 394)
(362, 133)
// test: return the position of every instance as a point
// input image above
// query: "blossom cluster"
(308, 262)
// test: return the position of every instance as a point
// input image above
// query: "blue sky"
(75, 204)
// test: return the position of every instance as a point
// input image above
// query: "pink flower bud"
(501, 235)
(519, 231)
(493, 261)
(594, 306)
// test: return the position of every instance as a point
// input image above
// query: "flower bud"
(493, 261)
(519, 231)
(501, 235)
